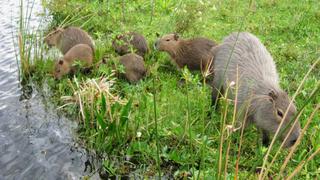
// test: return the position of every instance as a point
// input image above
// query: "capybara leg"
(265, 138)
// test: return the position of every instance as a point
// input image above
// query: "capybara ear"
(176, 36)
(273, 95)
(60, 62)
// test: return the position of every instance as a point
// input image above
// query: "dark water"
(35, 143)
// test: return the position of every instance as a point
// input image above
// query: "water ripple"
(35, 142)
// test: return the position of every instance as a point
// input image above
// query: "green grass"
(160, 127)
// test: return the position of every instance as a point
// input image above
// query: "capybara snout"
(293, 136)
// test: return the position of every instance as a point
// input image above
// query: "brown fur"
(81, 52)
(123, 44)
(65, 39)
(134, 67)
(194, 53)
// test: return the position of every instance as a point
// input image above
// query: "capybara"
(65, 38)
(242, 56)
(134, 67)
(81, 52)
(125, 42)
(194, 53)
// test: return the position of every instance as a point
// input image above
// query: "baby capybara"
(124, 43)
(259, 91)
(81, 52)
(134, 67)
(65, 38)
(194, 53)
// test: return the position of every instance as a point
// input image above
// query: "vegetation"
(162, 127)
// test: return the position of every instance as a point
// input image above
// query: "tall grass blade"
(152, 11)
(156, 126)
(222, 130)
(302, 163)
(233, 119)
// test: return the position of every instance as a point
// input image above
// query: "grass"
(159, 127)
(29, 49)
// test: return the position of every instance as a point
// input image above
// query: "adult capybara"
(65, 38)
(124, 43)
(81, 52)
(134, 67)
(194, 53)
(242, 56)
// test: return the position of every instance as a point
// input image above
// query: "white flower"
(232, 83)
(231, 129)
(138, 134)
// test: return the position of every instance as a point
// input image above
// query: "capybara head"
(269, 113)
(61, 68)
(53, 37)
(120, 44)
(167, 42)
(130, 42)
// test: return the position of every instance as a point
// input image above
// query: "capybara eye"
(168, 40)
(279, 112)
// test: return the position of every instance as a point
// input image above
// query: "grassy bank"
(160, 126)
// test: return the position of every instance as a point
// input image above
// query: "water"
(35, 143)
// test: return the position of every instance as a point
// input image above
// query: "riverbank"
(160, 126)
